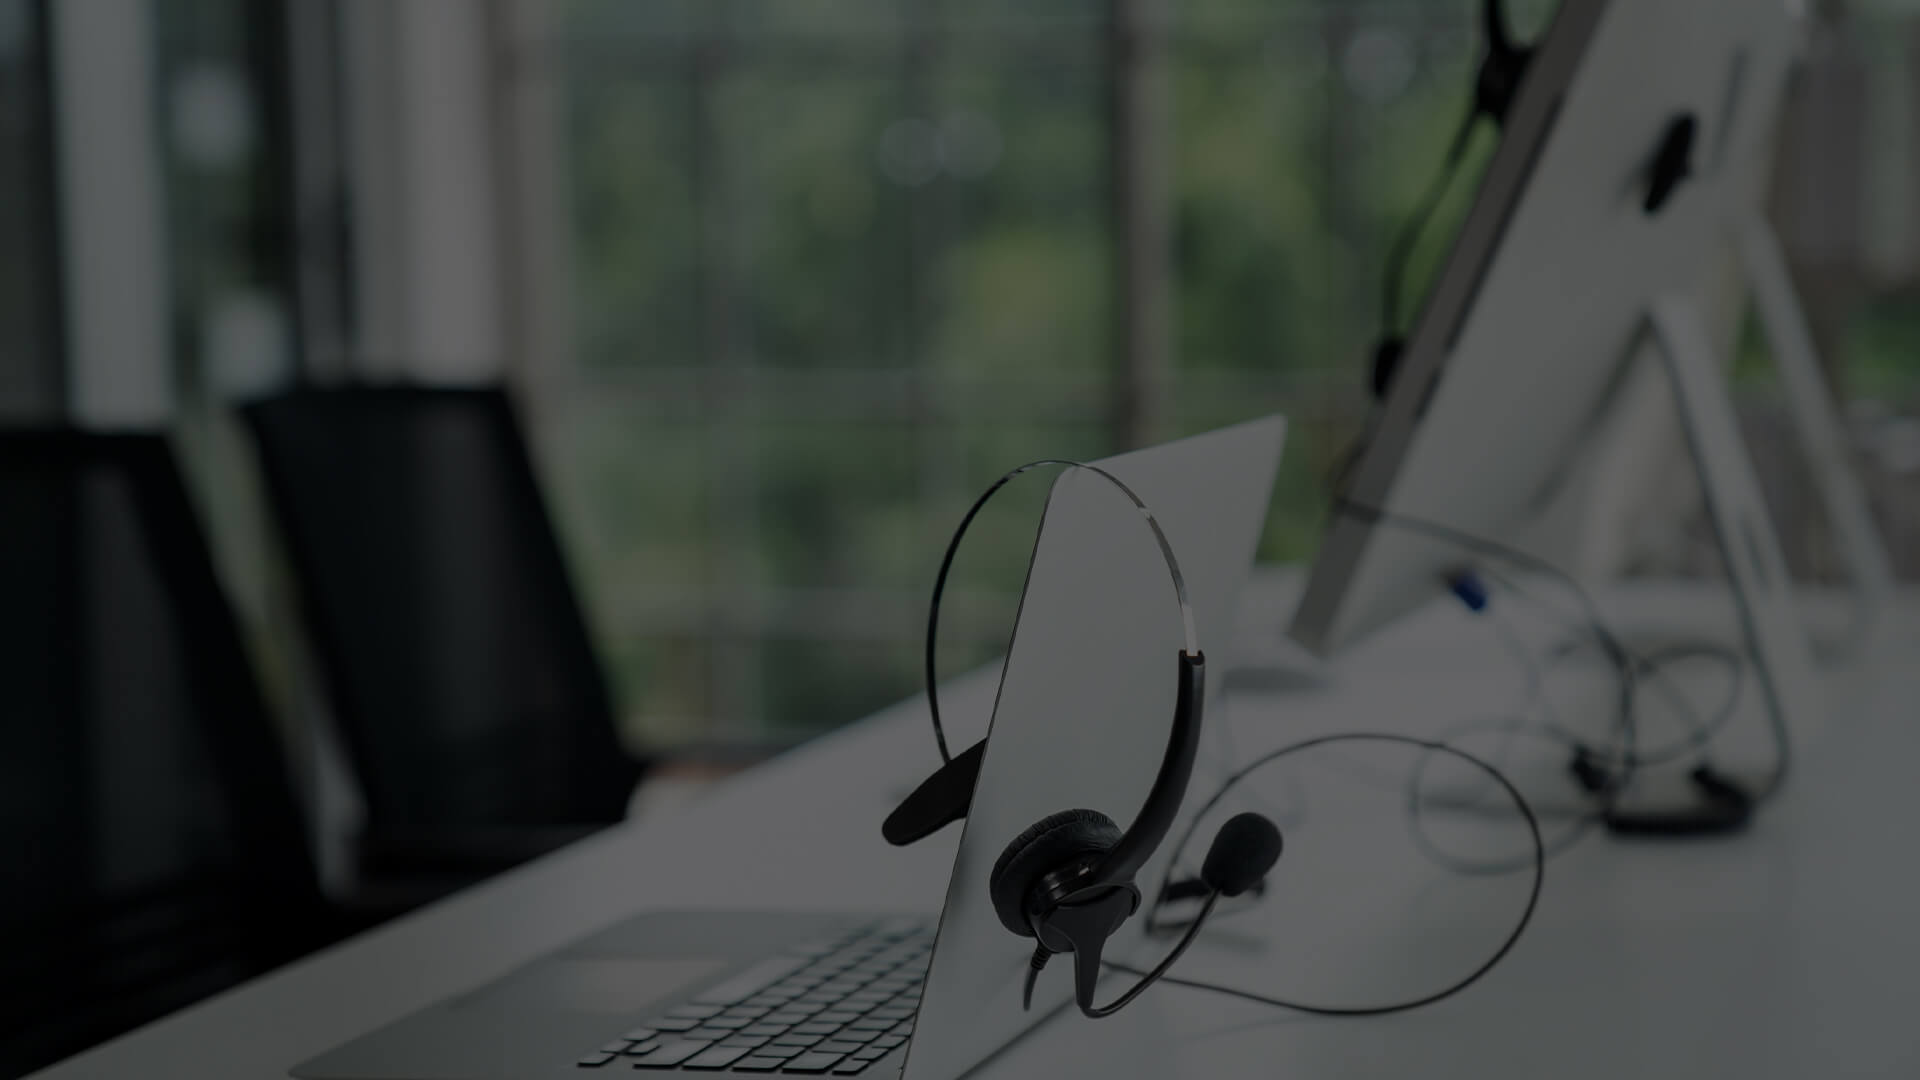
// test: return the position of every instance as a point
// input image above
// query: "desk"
(1791, 952)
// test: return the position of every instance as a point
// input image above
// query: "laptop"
(1088, 679)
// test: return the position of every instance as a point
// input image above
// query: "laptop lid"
(1086, 696)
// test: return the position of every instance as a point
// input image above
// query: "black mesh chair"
(153, 850)
(458, 664)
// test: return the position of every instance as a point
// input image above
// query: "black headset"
(1496, 84)
(1067, 881)
(1497, 81)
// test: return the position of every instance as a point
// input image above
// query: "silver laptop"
(1087, 681)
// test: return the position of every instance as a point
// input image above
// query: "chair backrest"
(458, 663)
(153, 848)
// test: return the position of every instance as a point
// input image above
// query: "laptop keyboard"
(830, 1007)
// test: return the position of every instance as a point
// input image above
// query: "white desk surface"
(1791, 952)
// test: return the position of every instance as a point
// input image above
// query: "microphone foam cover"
(1244, 849)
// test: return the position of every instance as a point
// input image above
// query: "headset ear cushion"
(1053, 842)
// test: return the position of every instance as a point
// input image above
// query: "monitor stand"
(1762, 589)
(1817, 423)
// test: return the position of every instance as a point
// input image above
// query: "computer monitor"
(1529, 331)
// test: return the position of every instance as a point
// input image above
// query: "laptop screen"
(1085, 701)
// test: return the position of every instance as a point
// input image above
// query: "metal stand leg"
(1762, 588)
(1815, 415)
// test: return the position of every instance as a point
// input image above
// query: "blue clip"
(1469, 590)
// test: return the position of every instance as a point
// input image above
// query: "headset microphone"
(1243, 851)
(1245, 848)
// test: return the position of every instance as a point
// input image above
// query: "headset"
(1496, 83)
(1503, 68)
(1067, 881)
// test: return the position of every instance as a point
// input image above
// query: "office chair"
(153, 850)
(457, 662)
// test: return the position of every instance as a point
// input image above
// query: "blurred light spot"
(248, 344)
(1379, 64)
(969, 144)
(213, 117)
(910, 151)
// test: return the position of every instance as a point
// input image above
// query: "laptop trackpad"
(530, 1025)
(599, 984)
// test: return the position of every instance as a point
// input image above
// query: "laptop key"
(670, 1054)
(595, 1060)
(717, 1058)
(750, 982)
(851, 1067)
(769, 1030)
(813, 1005)
(812, 1063)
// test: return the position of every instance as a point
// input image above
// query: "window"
(836, 266)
